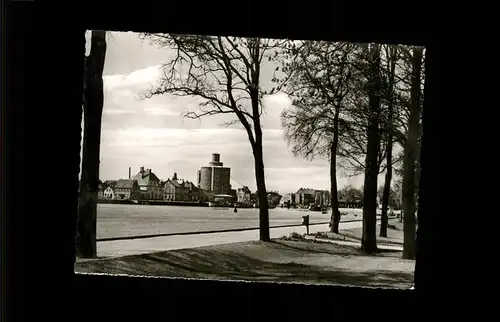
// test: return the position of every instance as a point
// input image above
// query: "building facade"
(179, 190)
(149, 185)
(109, 192)
(215, 178)
(322, 198)
(243, 195)
(127, 190)
(304, 197)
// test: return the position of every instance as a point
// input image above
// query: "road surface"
(156, 244)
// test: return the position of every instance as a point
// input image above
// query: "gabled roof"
(184, 184)
(125, 184)
(191, 186)
(305, 191)
(111, 183)
(144, 178)
(175, 183)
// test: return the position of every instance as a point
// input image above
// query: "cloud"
(185, 150)
(152, 132)
(137, 79)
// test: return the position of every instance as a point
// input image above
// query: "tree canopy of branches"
(317, 78)
(223, 73)
(351, 194)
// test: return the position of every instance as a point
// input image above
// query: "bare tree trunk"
(262, 192)
(335, 220)
(86, 245)
(384, 220)
(259, 164)
(369, 241)
(77, 233)
(410, 158)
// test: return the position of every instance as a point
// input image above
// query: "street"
(150, 245)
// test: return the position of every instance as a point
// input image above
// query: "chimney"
(142, 169)
(215, 157)
(129, 173)
(175, 176)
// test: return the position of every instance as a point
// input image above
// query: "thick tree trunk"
(86, 245)
(81, 120)
(411, 158)
(384, 220)
(335, 219)
(369, 241)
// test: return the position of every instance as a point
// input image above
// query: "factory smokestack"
(129, 173)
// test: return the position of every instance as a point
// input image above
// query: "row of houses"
(245, 197)
(147, 186)
(305, 197)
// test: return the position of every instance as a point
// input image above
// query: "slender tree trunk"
(384, 220)
(259, 162)
(86, 245)
(335, 220)
(262, 192)
(369, 241)
(410, 159)
(257, 146)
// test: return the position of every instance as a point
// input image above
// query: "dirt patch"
(297, 261)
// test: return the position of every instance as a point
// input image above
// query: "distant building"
(100, 192)
(243, 195)
(322, 198)
(179, 190)
(109, 192)
(149, 185)
(127, 189)
(304, 197)
(215, 177)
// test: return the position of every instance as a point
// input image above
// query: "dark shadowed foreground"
(277, 261)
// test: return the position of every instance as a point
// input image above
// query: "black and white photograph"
(270, 160)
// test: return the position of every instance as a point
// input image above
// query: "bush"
(295, 235)
(321, 235)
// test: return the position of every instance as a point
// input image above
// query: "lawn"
(298, 261)
(394, 234)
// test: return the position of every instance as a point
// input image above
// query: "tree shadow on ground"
(226, 264)
(339, 250)
(380, 240)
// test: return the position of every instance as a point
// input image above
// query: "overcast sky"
(152, 133)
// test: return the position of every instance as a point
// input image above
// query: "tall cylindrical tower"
(215, 160)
